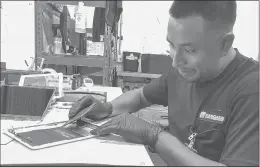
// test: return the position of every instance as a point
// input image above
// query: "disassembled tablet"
(48, 135)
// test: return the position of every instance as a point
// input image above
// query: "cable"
(7, 142)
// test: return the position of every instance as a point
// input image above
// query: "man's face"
(193, 48)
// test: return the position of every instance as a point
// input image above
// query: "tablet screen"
(53, 135)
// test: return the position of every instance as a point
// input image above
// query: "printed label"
(217, 116)
(131, 57)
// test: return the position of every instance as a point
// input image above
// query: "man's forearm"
(173, 152)
(130, 101)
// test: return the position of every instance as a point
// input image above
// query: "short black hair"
(221, 11)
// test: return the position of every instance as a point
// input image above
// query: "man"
(211, 93)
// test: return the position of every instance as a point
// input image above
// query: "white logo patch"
(204, 115)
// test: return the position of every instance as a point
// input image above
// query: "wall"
(246, 28)
(17, 33)
(144, 26)
(142, 32)
(144, 29)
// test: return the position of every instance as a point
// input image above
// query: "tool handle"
(79, 115)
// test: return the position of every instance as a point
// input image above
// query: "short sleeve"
(156, 91)
(242, 140)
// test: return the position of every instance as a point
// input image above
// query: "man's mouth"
(186, 71)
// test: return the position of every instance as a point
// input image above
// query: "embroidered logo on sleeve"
(216, 116)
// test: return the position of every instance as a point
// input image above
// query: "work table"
(90, 151)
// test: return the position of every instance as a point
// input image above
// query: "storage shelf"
(101, 4)
(98, 74)
(71, 60)
(138, 74)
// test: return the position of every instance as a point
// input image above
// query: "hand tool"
(88, 123)
(79, 115)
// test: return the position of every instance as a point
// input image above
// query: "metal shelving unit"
(70, 60)
(138, 74)
(105, 62)
(101, 4)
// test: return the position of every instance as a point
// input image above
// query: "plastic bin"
(2, 66)
(130, 61)
(155, 63)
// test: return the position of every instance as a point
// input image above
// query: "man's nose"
(178, 59)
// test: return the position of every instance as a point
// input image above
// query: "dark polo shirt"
(218, 119)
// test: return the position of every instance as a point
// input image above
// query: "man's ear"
(227, 42)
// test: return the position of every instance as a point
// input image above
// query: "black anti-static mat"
(45, 136)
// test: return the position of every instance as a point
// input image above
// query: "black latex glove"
(131, 128)
(98, 112)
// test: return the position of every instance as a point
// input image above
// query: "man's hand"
(132, 128)
(98, 112)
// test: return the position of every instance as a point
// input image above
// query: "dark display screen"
(26, 101)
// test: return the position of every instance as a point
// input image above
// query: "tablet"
(48, 135)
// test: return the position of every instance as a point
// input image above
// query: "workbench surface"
(91, 151)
